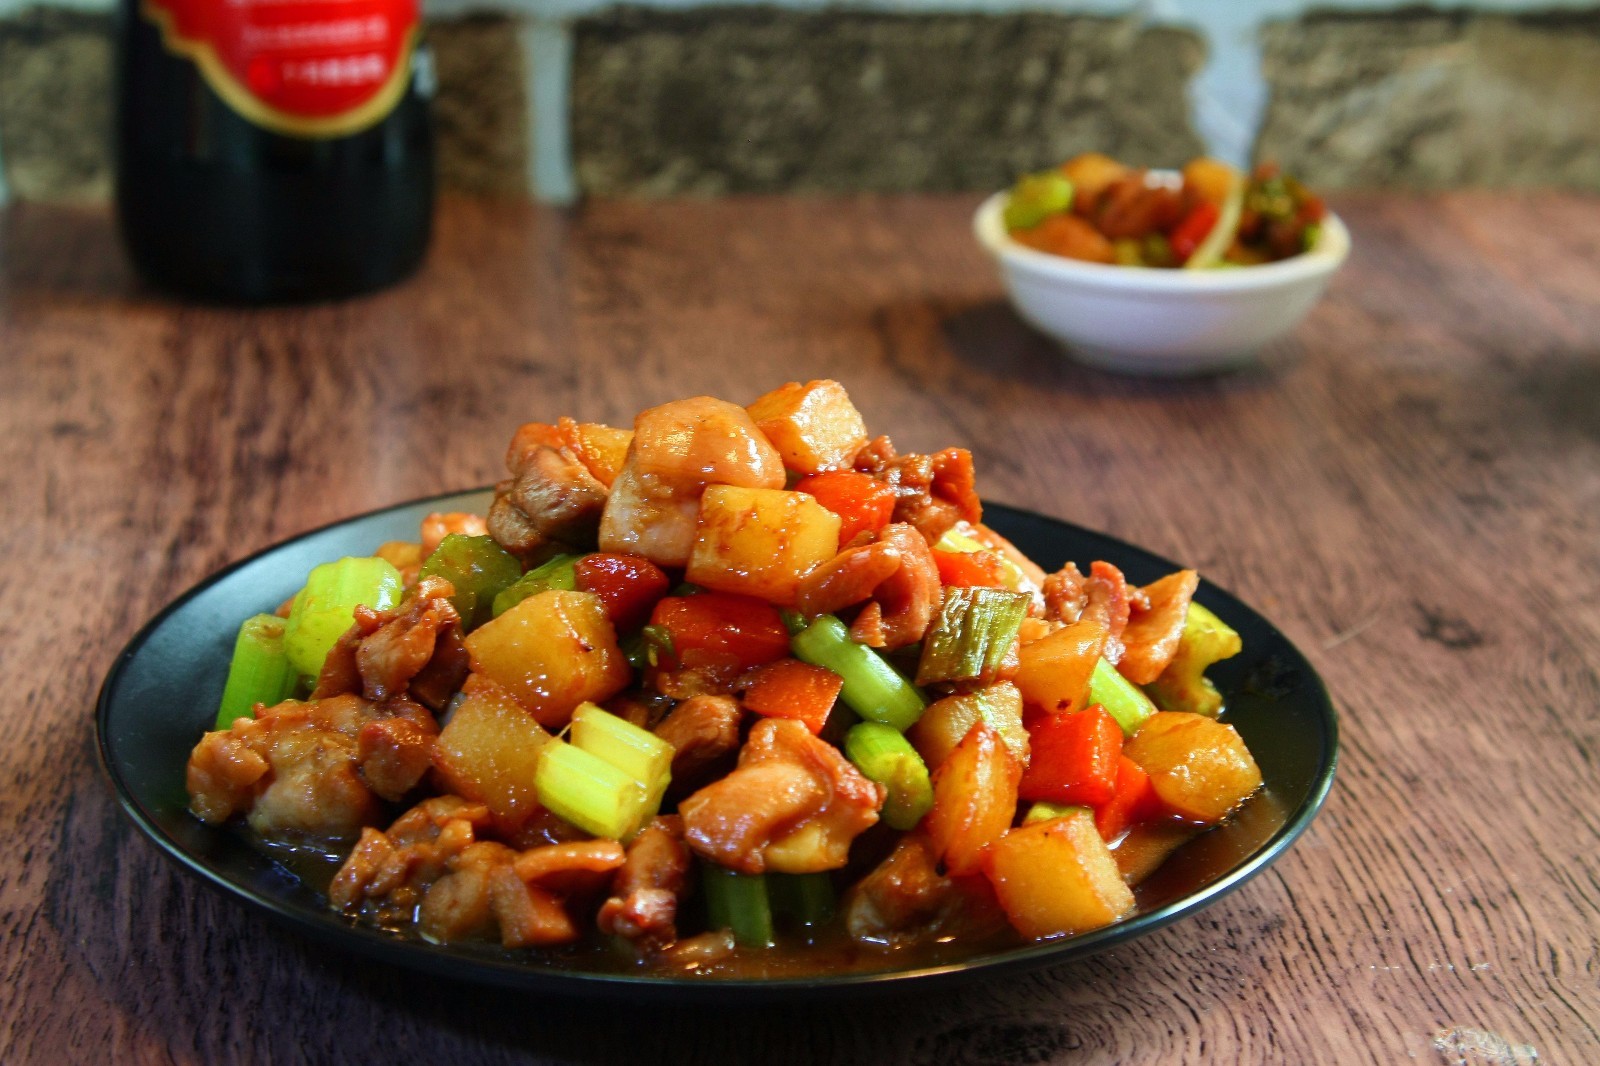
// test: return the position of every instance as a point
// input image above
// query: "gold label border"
(217, 75)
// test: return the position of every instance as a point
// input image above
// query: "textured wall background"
(566, 97)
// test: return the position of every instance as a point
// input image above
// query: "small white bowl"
(1146, 320)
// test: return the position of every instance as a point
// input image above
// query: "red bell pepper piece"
(721, 631)
(861, 501)
(628, 586)
(1134, 800)
(970, 569)
(1074, 758)
(789, 688)
(1188, 234)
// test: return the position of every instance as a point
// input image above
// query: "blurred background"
(563, 98)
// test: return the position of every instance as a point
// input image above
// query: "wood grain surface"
(1410, 490)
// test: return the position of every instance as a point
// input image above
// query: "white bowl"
(1147, 320)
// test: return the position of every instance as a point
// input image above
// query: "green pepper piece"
(478, 568)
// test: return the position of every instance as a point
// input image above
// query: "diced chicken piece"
(394, 754)
(651, 516)
(1103, 596)
(380, 654)
(643, 906)
(896, 572)
(300, 769)
(932, 492)
(387, 873)
(702, 729)
(903, 899)
(1154, 628)
(793, 805)
(573, 868)
(431, 865)
(558, 495)
(678, 449)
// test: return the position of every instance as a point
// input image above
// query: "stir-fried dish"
(736, 683)
(1209, 215)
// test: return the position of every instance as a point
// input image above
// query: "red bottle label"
(309, 68)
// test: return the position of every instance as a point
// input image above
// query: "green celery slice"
(555, 573)
(807, 900)
(872, 688)
(1183, 685)
(883, 754)
(478, 568)
(589, 792)
(258, 672)
(974, 630)
(739, 902)
(1119, 696)
(325, 607)
(637, 752)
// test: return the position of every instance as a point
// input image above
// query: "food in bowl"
(1208, 215)
(738, 690)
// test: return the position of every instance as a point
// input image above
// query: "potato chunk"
(1057, 877)
(814, 426)
(552, 651)
(947, 721)
(1054, 670)
(974, 799)
(1199, 766)
(760, 542)
(489, 750)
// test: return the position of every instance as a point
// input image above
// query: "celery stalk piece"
(1183, 685)
(555, 573)
(887, 757)
(1121, 697)
(478, 568)
(325, 608)
(974, 630)
(638, 753)
(1045, 812)
(872, 688)
(258, 672)
(1223, 231)
(807, 900)
(739, 902)
(589, 792)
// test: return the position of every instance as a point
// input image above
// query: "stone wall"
(715, 100)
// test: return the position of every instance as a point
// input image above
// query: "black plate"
(162, 690)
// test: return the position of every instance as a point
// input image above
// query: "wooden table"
(1412, 492)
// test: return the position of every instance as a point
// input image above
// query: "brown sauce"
(1165, 861)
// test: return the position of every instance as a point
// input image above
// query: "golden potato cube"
(489, 750)
(551, 652)
(814, 426)
(974, 799)
(1054, 671)
(1057, 877)
(947, 722)
(760, 542)
(602, 449)
(1200, 767)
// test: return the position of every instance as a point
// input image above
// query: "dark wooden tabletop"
(1410, 490)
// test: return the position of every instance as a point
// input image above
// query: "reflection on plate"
(161, 693)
